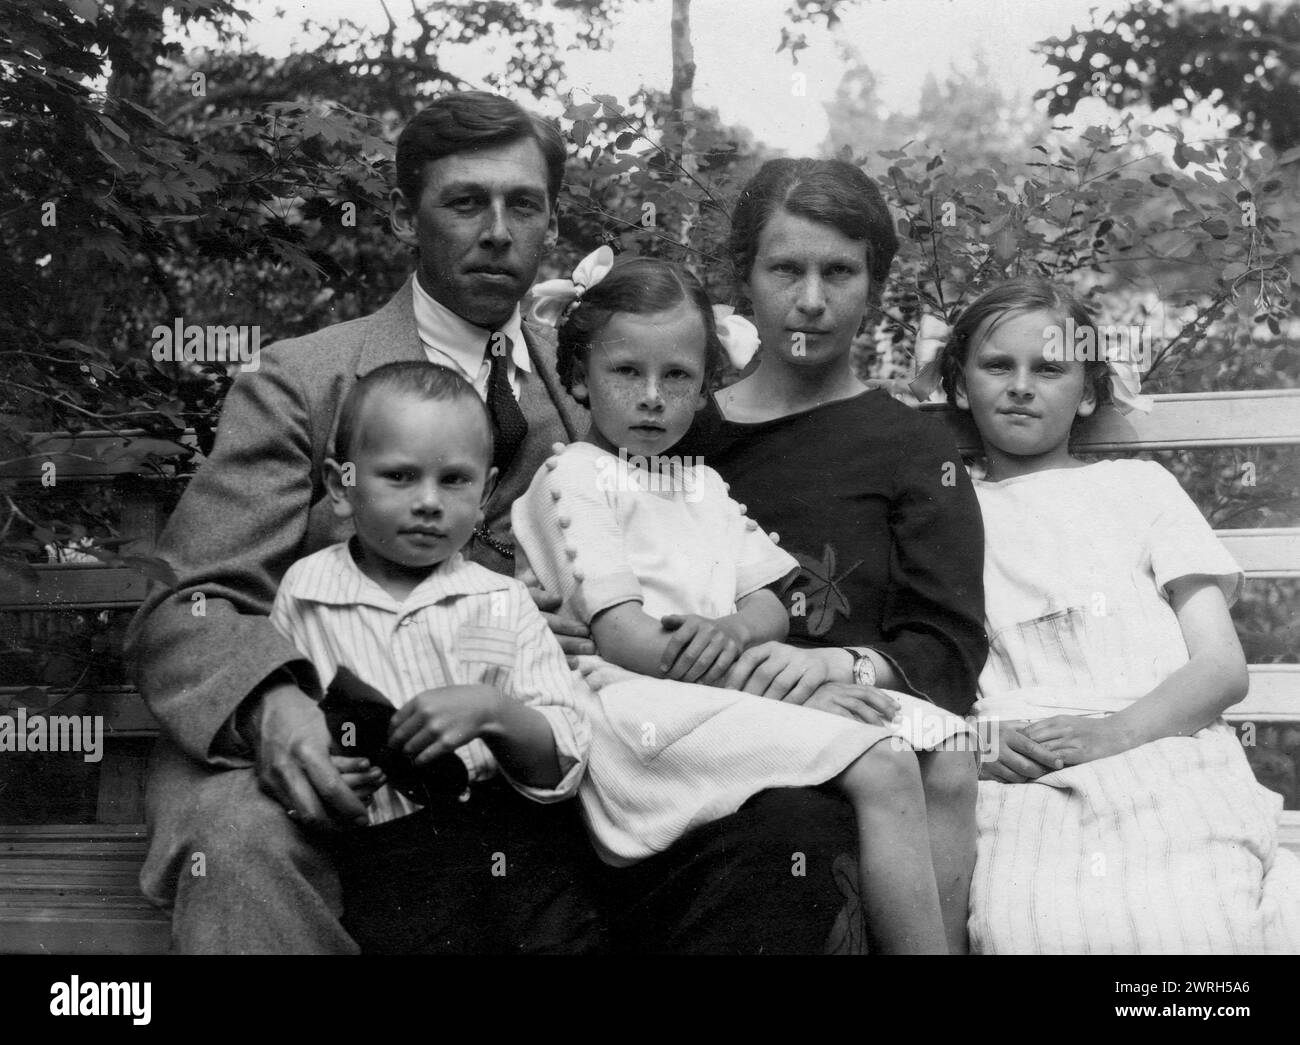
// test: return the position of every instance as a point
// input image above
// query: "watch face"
(864, 672)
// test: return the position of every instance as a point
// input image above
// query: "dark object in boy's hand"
(358, 717)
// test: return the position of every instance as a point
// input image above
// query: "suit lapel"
(391, 336)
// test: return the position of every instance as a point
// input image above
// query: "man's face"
(481, 225)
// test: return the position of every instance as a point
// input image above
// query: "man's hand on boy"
(438, 721)
(701, 649)
(574, 636)
(292, 752)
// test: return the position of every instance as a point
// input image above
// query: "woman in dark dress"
(869, 495)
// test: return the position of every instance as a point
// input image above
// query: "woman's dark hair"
(1019, 295)
(423, 380)
(465, 121)
(640, 287)
(830, 192)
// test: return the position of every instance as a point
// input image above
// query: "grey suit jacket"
(258, 504)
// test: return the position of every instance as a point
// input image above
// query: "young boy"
(471, 667)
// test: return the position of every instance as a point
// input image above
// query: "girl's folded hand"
(1076, 739)
(1020, 758)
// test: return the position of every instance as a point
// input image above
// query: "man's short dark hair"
(466, 121)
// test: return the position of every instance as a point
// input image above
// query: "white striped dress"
(1170, 847)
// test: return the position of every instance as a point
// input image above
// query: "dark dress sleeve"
(932, 626)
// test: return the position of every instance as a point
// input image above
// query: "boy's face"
(420, 476)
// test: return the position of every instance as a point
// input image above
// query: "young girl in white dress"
(1120, 815)
(674, 582)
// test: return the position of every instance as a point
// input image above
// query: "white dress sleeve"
(567, 524)
(759, 561)
(1181, 542)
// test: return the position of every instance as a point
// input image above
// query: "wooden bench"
(72, 887)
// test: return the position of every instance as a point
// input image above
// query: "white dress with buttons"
(668, 756)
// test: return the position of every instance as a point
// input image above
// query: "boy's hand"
(363, 778)
(701, 649)
(437, 721)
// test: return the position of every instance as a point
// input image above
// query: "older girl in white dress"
(1120, 815)
(674, 582)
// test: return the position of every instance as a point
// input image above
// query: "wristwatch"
(864, 668)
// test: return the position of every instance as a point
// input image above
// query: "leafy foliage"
(1167, 52)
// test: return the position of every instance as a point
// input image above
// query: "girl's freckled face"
(1023, 402)
(644, 379)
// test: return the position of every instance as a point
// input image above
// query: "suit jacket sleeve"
(237, 529)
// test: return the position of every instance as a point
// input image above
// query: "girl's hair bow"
(554, 298)
(738, 335)
(1126, 386)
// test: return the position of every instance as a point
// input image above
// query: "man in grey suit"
(248, 816)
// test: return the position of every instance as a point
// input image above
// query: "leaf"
(114, 128)
(87, 10)
(825, 599)
(1163, 180)
(1216, 227)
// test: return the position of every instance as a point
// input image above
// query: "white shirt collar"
(332, 577)
(463, 342)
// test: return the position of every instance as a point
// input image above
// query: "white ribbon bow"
(1126, 387)
(738, 335)
(554, 297)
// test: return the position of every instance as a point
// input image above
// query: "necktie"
(507, 419)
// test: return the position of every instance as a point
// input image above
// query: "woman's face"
(809, 286)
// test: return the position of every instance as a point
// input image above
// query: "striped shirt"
(462, 625)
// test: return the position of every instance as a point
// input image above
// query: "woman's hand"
(861, 703)
(1020, 757)
(1075, 739)
(778, 671)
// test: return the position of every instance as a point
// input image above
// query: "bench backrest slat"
(1181, 421)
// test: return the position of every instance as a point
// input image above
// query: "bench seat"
(74, 889)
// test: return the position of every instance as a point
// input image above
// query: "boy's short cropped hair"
(422, 380)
